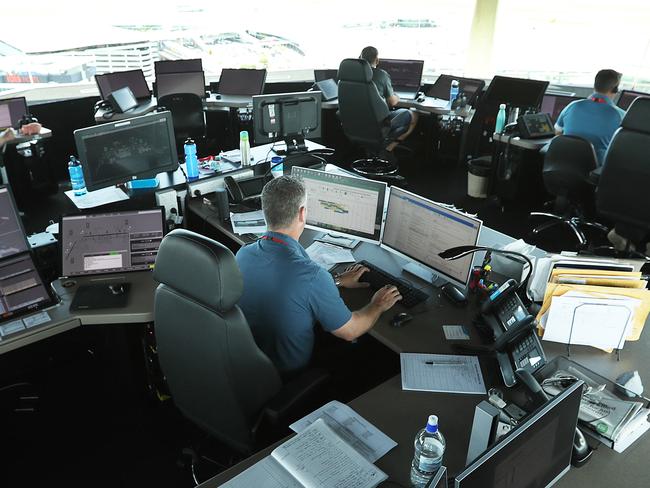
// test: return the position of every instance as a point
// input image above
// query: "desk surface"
(400, 414)
(430, 105)
(532, 144)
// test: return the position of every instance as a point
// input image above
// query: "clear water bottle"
(277, 166)
(429, 449)
(191, 161)
(245, 148)
(76, 177)
(453, 92)
(501, 118)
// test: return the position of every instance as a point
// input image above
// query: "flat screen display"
(242, 81)
(134, 79)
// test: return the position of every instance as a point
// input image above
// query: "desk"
(139, 308)
(429, 105)
(400, 414)
(530, 144)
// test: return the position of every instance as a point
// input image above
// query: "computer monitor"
(554, 104)
(134, 79)
(517, 92)
(326, 74)
(470, 86)
(244, 82)
(12, 234)
(405, 74)
(536, 453)
(624, 100)
(11, 111)
(177, 66)
(22, 289)
(344, 205)
(121, 151)
(112, 242)
(418, 229)
(288, 116)
(173, 83)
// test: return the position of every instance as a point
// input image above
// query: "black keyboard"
(378, 278)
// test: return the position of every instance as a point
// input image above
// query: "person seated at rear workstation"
(595, 118)
(286, 293)
(401, 119)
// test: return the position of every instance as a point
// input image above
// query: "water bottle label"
(429, 465)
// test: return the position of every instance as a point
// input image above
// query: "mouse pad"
(94, 297)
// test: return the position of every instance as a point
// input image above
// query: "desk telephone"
(516, 343)
(245, 189)
(531, 126)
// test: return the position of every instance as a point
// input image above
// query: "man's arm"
(362, 320)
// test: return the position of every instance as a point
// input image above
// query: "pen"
(445, 363)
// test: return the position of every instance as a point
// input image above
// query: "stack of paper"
(441, 373)
(327, 255)
(596, 307)
(248, 222)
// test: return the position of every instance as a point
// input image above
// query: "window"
(568, 41)
(72, 41)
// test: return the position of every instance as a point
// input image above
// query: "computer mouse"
(217, 96)
(400, 319)
(117, 289)
(421, 99)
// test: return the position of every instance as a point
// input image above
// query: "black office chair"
(622, 191)
(188, 117)
(566, 173)
(364, 117)
(218, 377)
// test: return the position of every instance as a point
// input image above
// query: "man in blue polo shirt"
(286, 293)
(596, 118)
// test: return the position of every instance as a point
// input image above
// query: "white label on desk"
(11, 327)
(36, 319)
(456, 332)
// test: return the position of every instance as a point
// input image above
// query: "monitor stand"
(295, 145)
(421, 272)
(143, 183)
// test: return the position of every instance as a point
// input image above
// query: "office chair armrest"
(294, 393)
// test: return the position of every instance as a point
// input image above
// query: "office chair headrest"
(638, 116)
(199, 268)
(353, 69)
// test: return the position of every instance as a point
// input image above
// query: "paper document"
(456, 332)
(328, 255)
(590, 321)
(441, 373)
(248, 222)
(364, 437)
(96, 198)
(315, 458)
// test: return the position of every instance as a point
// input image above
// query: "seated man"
(402, 120)
(286, 293)
(596, 118)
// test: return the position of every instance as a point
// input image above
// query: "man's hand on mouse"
(350, 277)
(386, 297)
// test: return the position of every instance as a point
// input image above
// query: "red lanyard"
(599, 100)
(273, 239)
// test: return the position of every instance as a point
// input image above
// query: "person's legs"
(403, 122)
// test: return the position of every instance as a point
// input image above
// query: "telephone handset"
(245, 189)
(516, 345)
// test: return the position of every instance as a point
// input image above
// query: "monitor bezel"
(494, 82)
(160, 208)
(520, 430)
(80, 134)
(115, 73)
(261, 137)
(230, 71)
(7, 101)
(411, 258)
(296, 170)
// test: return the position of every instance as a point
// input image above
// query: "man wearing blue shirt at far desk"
(595, 118)
(286, 293)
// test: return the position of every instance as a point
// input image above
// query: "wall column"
(479, 58)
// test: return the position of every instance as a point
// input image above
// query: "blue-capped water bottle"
(191, 161)
(76, 177)
(429, 450)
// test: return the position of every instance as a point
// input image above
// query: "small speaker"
(219, 201)
(484, 428)
(122, 100)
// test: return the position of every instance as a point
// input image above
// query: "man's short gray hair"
(281, 201)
